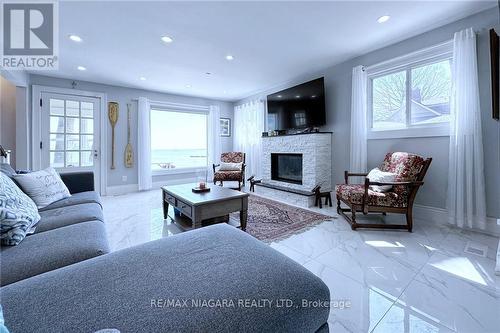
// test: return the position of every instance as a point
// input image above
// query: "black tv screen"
(298, 107)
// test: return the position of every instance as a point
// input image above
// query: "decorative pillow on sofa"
(377, 175)
(44, 186)
(18, 213)
(230, 166)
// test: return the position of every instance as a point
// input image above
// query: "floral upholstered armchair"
(231, 168)
(408, 171)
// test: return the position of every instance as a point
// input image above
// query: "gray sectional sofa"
(70, 230)
(216, 279)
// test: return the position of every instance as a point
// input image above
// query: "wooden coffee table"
(198, 207)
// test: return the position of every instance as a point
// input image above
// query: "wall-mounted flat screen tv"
(298, 107)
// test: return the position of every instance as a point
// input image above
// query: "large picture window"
(178, 140)
(412, 96)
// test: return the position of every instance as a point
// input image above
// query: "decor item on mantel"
(113, 119)
(129, 154)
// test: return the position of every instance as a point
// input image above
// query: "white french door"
(70, 133)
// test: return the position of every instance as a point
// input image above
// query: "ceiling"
(272, 42)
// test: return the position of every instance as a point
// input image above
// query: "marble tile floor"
(383, 281)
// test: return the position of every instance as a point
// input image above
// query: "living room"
(250, 166)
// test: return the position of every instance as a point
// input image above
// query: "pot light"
(81, 68)
(297, 96)
(313, 96)
(279, 96)
(142, 78)
(188, 86)
(75, 38)
(167, 39)
(229, 57)
(383, 19)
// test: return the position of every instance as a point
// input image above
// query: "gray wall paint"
(8, 117)
(123, 96)
(338, 104)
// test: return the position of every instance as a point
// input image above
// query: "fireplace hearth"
(286, 167)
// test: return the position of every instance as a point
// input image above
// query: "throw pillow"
(230, 166)
(377, 175)
(18, 213)
(44, 186)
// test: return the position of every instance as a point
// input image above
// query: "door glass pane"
(72, 158)
(87, 109)
(72, 125)
(57, 124)
(87, 126)
(73, 108)
(57, 142)
(389, 101)
(430, 93)
(86, 158)
(87, 142)
(57, 159)
(56, 107)
(72, 142)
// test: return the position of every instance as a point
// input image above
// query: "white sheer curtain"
(145, 178)
(466, 201)
(358, 152)
(214, 143)
(248, 128)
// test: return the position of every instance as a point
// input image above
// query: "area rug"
(271, 221)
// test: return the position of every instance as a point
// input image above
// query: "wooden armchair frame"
(365, 208)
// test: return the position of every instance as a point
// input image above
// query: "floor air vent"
(476, 249)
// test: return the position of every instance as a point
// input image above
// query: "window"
(407, 98)
(178, 140)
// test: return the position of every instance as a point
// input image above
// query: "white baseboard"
(440, 216)
(130, 188)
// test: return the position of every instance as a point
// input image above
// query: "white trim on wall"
(36, 122)
(440, 216)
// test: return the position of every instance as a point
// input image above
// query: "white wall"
(338, 105)
(123, 96)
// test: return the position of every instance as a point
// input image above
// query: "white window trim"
(428, 55)
(182, 108)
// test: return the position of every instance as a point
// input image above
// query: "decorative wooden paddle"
(113, 119)
(129, 154)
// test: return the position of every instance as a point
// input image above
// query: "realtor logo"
(29, 35)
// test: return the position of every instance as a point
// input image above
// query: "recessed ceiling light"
(313, 96)
(279, 96)
(297, 96)
(142, 78)
(208, 73)
(225, 91)
(75, 38)
(167, 39)
(229, 57)
(383, 19)
(81, 68)
(188, 86)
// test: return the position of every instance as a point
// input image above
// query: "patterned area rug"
(270, 221)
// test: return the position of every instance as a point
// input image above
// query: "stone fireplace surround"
(316, 150)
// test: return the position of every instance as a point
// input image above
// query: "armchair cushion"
(228, 166)
(377, 175)
(228, 176)
(406, 166)
(354, 195)
(233, 157)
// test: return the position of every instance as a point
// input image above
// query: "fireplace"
(286, 167)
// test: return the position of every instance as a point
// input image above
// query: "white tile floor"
(395, 281)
